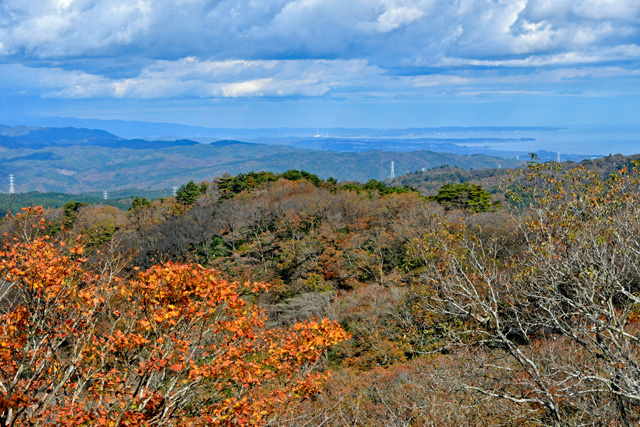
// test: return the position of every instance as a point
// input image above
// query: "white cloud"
(383, 31)
(592, 56)
(16, 77)
(438, 80)
(398, 14)
(63, 4)
(191, 78)
(248, 88)
(562, 10)
(150, 49)
(574, 24)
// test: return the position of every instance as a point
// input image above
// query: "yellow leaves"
(144, 324)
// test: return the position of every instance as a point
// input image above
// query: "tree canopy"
(525, 315)
(464, 196)
(174, 344)
(188, 193)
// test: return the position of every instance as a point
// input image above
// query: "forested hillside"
(71, 160)
(231, 303)
(428, 182)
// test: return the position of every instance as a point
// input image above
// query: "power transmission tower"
(105, 195)
(12, 182)
(393, 171)
(174, 191)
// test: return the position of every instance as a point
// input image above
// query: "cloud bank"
(221, 49)
(277, 29)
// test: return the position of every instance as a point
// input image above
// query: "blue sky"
(324, 63)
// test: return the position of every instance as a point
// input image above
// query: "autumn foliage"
(526, 315)
(172, 345)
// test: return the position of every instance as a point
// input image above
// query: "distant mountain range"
(35, 138)
(76, 159)
(159, 130)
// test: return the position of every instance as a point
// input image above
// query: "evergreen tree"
(71, 212)
(188, 193)
(464, 196)
(139, 203)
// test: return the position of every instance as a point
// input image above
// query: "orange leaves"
(176, 342)
(37, 265)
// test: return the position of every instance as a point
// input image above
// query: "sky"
(324, 63)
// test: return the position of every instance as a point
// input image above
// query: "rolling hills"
(75, 160)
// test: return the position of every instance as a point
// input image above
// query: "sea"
(586, 140)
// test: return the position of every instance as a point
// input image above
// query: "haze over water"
(595, 140)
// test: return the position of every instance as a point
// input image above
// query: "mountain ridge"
(74, 160)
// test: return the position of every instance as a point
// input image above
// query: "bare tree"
(559, 312)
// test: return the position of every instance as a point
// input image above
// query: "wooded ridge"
(71, 160)
(462, 309)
